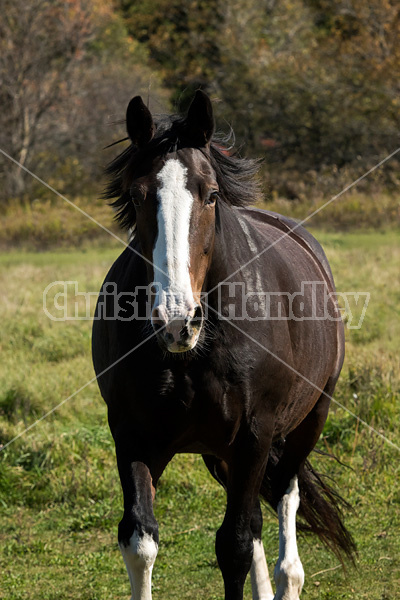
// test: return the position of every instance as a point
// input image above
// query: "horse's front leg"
(138, 529)
(234, 543)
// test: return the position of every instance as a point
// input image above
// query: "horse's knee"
(234, 548)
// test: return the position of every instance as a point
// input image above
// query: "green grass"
(60, 497)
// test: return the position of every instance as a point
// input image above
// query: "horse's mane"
(236, 176)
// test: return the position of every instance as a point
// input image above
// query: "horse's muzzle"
(179, 333)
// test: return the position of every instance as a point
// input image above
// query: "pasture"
(60, 494)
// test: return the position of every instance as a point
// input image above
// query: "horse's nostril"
(197, 317)
(185, 333)
(169, 338)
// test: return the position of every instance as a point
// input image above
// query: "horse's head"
(174, 189)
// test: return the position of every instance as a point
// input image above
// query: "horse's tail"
(320, 508)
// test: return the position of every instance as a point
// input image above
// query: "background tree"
(182, 40)
(41, 44)
(311, 85)
(67, 69)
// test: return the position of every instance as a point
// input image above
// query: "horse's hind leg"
(260, 581)
(288, 573)
(298, 445)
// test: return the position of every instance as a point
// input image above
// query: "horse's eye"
(137, 194)
(212, 198)
(135, 199)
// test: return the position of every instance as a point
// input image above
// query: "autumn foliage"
(310, 85)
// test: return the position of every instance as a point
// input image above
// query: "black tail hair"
(321, 507)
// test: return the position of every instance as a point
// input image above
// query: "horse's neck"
(226, 256)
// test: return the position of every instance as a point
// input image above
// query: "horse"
(188, 366)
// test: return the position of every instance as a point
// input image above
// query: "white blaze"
(171, 251)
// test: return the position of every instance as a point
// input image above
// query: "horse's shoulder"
(265, 220)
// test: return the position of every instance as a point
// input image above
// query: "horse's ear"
(139, 122)
(200, 119)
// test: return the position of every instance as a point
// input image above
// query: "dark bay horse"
(221, 344)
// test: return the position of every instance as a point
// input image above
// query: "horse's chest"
(200, 407)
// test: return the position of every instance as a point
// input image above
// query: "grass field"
(49, 222)
(59, 491)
